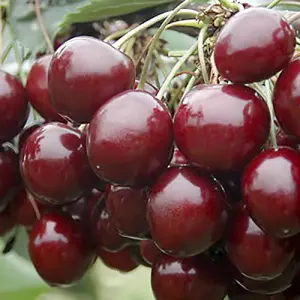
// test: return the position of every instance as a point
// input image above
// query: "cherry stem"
(192, 81)
(268, 85)
(230, 5)
(201, 39)
(186, 23)
(40, 20)
(273, 3)
(294, 18)
(151, 22)
(35, 207)
(155, 40)
(175, 69)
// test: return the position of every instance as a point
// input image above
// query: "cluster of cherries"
(202, 197)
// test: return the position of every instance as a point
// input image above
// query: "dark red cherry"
(287, 98)
(221, 127)
(54, 164)
(255, 253)
(149, 251)
(26, 132)
(186, 212)
(130, 144)
(178, 159)
(254, 45)
(272, 192)
(127, 208)
(14, 107)
(24, 212)
(192, 278)
(37, 90)
(10, 178)
(85, 73)
(137, 256)
(59, 249)
(121, 260)
(147, 87)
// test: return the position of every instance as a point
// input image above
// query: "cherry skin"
(14, 107)
(55, 152)
(121, 260)
(127, 208)
(128, 148)
(178, 159)
(254, 45)
(255, 253)
(224, 117)
(59, 249)
(85, 73)
(37, 90)
(186, 212)
(190, 278)
(274, 201)
(149, 251)
(287, 98)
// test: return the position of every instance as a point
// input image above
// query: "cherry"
(190, 278)
(121, 260)
(284, 139)
(86, 72)
(37, 90)
(137, 256)
(59, 249)
(7, 220)
(147, 87)
(130, 149)
(54, 164)
(14, 107)
(254, 45)
(287, 98)
(149, 251)
(255, 253)
(9, 175)
(178, 159)
(127, 208)
(186, 212)
(274, 201)
(232, 121)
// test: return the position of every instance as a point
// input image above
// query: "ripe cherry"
(274, 200)
(14, 107)
(255, 253)
(287, 98)
(186, 212)
(85, 73)
(37, 90)
(129, 148)
(190, 278)
(214, 126)
(254, 45)
(60, 249)
(127, 208)
(149, 251)
(55, 151)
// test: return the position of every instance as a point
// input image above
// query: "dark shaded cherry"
(10, 179)
(214, 126)
(265, 47)
(24, 212)
(287, 98)
(128, 148)
(128, 207)
(26, 132)
(136, 255)
(86, 72)
(37, 90)
(186, 212)
(105, 233)
(149, 251)
(178, 159)
(255, 253)
(121, 260)
(274, 201)
(7, 220)
(14, 107)
(55, 152)
(192, 278)
(59, 249)
(147, 87)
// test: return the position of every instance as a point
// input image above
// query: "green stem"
(186, 23)
(176, 53)
(201, 39)
(175, 69)
(151, 22)
(6, 52)
(155, 40)
(273, 3)
(230, 5)
(116, 35)
(269, 89)
(192, 81)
